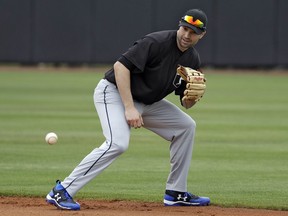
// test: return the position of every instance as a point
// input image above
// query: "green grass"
(240, 155)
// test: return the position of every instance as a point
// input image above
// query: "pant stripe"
(111, 141)
(110, 144)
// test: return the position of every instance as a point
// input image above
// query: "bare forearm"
(188, 104)
(122, 76)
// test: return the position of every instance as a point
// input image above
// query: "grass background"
(240, 155)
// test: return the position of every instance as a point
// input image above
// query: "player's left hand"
(195, 87)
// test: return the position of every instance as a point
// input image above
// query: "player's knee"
(189, 124)
(120, 147)
(193, 124)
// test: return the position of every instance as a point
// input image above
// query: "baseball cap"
(195, 19)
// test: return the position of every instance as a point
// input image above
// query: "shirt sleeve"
(128, 64)
(141, 52)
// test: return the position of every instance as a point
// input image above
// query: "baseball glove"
(195, 87)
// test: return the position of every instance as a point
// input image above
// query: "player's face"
(187, 38)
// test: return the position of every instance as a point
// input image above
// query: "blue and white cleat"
(60, 198)
(175, 198)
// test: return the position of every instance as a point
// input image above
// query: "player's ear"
(202, 34)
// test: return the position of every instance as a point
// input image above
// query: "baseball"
(51, 138)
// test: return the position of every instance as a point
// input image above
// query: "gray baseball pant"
(162, 117)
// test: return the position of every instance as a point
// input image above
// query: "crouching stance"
(131, 95)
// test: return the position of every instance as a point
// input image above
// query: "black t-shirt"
(153, 61)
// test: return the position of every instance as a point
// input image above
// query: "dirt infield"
(10, 206)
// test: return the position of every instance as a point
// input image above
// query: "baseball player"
(131, 95)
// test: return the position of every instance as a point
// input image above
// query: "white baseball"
(51, 138)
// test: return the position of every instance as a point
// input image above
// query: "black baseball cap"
(195, 19)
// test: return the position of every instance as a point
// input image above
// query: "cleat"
(175, 198)
(60, 198)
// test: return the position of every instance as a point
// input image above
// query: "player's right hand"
(133, 117)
